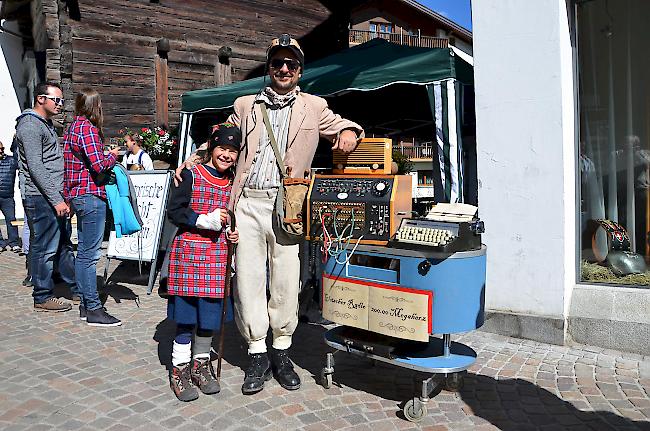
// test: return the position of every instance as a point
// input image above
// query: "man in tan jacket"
(297, 120)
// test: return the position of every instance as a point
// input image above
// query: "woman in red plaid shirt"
(85, 161)
(197, 262)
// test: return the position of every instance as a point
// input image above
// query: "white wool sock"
(181, 353)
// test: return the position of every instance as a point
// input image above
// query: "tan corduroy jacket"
(310, 119)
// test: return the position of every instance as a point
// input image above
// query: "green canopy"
(369, 66)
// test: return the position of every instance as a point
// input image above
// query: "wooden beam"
(162, 91)
(224, 74)
(222, 70)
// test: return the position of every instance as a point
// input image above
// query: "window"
(614, 153)
(425, 178)
(381, 27)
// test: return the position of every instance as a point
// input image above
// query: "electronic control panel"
(369, 208)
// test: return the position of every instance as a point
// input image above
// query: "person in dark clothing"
(25, 234)
(8, 167)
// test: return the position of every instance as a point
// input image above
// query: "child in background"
(197, 263)
(135, 159)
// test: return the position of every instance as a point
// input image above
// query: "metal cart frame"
(441, 357)
(455, 359)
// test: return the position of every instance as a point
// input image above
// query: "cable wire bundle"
(339, 243)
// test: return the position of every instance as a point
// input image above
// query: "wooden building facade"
(142, 55)
(406, 22)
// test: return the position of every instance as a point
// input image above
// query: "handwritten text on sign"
(399, 313)
(345, 303)
(151, 190)
(388, 310)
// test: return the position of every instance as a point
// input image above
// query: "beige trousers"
(261, 243)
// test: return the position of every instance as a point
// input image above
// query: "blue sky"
(458, 11)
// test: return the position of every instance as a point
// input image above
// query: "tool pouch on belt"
(292, 196)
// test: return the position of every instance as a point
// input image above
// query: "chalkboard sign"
(152, 189)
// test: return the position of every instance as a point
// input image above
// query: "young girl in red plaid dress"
(197, 263)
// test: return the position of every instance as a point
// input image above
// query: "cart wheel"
(454, 382)
(326, 379)
(415, 410)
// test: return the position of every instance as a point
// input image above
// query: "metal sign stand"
(152, 273)
(157, 239)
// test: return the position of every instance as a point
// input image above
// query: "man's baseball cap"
(285, 41)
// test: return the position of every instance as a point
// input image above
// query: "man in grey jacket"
(41, 171)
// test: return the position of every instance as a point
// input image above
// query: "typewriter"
(447, 228)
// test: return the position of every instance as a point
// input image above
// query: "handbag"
(100, 179)
(290, 203)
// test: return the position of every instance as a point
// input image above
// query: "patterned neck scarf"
(270, 97)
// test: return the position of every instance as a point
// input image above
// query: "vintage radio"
(447, 228)
(372, 156)
(353, 207)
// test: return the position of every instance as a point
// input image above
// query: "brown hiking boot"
(181, 383)
(203, 376)
(53, 305)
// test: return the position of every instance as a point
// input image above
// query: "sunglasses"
(292, 65)
(56, 100)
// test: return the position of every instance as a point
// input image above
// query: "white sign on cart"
(152, 189)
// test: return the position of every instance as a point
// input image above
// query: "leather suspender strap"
(274, 143)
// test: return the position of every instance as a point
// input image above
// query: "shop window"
(614, 153)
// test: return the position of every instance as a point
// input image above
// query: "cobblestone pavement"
(58, 373)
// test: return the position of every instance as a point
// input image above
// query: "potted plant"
(161, 146)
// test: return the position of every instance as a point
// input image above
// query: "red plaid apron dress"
(197, 262)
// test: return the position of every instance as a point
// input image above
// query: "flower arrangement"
(156, 141)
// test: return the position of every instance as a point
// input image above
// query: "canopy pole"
(445, 107)
(185, 139)
(437, 160)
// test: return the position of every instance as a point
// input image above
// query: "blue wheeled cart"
(457, 282)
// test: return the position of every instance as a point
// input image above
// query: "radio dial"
(380, 187)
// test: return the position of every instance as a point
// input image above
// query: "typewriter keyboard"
(425, 235)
